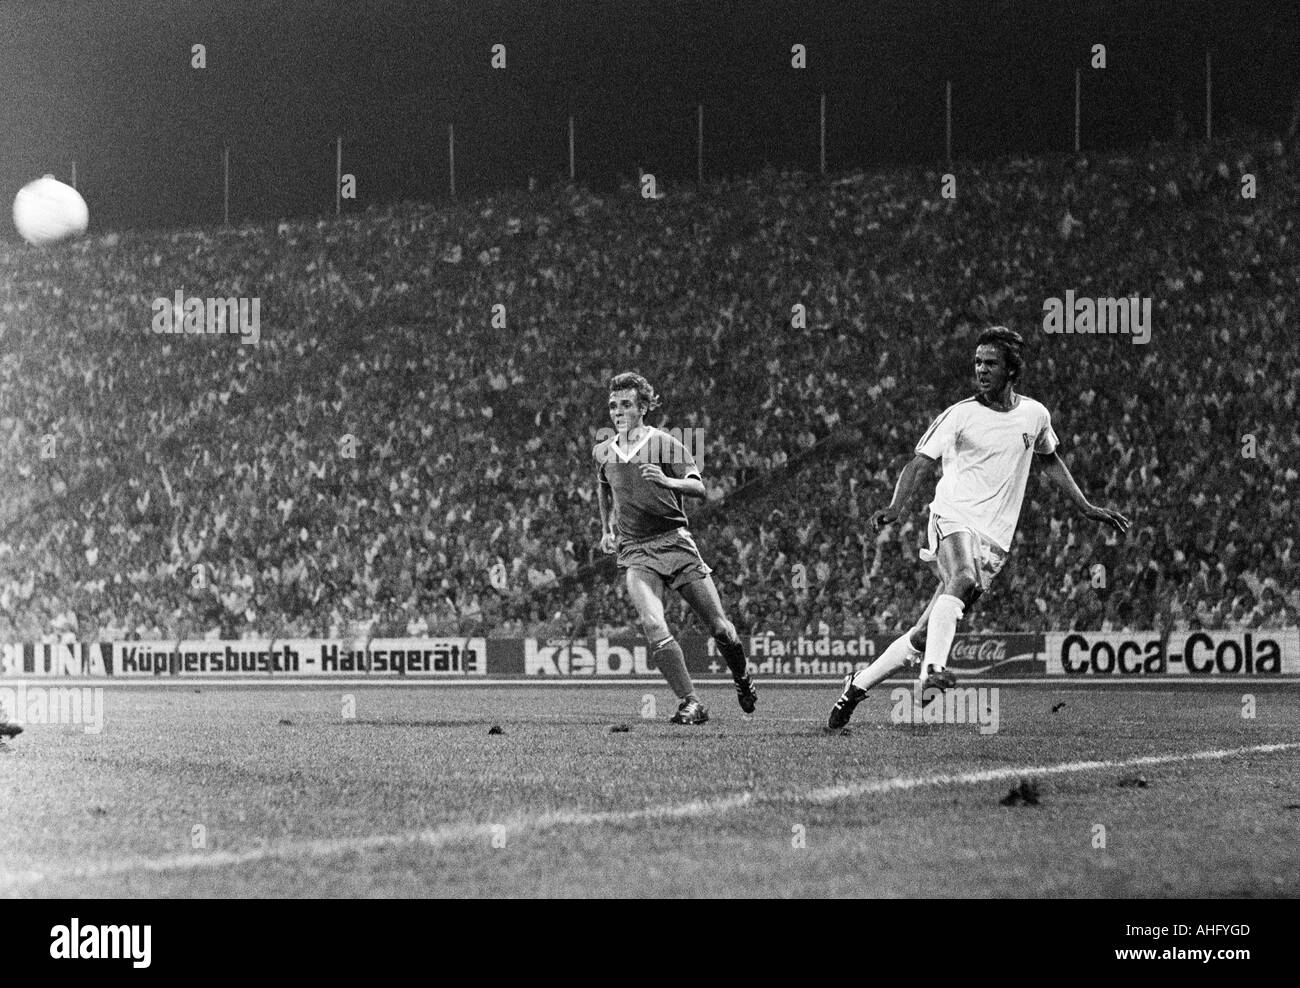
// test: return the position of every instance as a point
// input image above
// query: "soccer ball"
(47, 211)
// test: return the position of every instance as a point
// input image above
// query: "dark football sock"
(734, 654)
(672, 663)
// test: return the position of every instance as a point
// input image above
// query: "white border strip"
(464, 832)
(826, 683)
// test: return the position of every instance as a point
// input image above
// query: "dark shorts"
(673, 557)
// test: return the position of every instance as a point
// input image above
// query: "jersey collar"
(626, 457)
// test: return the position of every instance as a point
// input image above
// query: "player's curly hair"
(1011, 344)
(646, 395)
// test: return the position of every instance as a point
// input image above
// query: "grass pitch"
(221, 791)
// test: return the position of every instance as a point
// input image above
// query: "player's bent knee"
(725, 632)
(656, 633)
(961, 584)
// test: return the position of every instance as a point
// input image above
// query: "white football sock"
(945, 614)
(899, 652)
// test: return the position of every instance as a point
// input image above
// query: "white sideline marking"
(460, 832)
(831, 794)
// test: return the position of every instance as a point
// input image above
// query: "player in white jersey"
(986, 444)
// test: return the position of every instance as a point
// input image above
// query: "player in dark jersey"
(7, 730)
(643, 475)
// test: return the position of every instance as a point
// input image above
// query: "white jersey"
(986, 456)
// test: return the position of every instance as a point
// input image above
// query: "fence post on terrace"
(571, 147)
(699, 144)
(338, 175)
(1077, 101)
(1207, 95)
(823, 134)
(73, 183)
(947, 120)
(225, 186)
(451, 158)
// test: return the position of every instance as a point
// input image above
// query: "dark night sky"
(108, 82)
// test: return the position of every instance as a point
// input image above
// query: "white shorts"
(989, 556)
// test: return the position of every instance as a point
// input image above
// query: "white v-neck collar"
(626, 457)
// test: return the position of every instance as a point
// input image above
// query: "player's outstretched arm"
(604, 496)
(1056, 470)
(690, 486)
(917, 470)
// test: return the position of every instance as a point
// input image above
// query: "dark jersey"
(643, 509)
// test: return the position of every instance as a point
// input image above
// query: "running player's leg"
(905, 649)
(647, 590)
(702, 596)
(961, 587)
(916, 635)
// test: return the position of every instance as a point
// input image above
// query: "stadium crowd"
(407, 449)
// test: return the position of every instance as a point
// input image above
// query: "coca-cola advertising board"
(998, 655)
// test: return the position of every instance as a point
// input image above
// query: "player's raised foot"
(691, 711)
(934, 684)
(844, 706)
(8, 730)
(746, 695)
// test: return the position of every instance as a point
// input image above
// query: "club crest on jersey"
(1027, 438)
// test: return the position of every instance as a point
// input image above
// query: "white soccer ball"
(46, 211)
